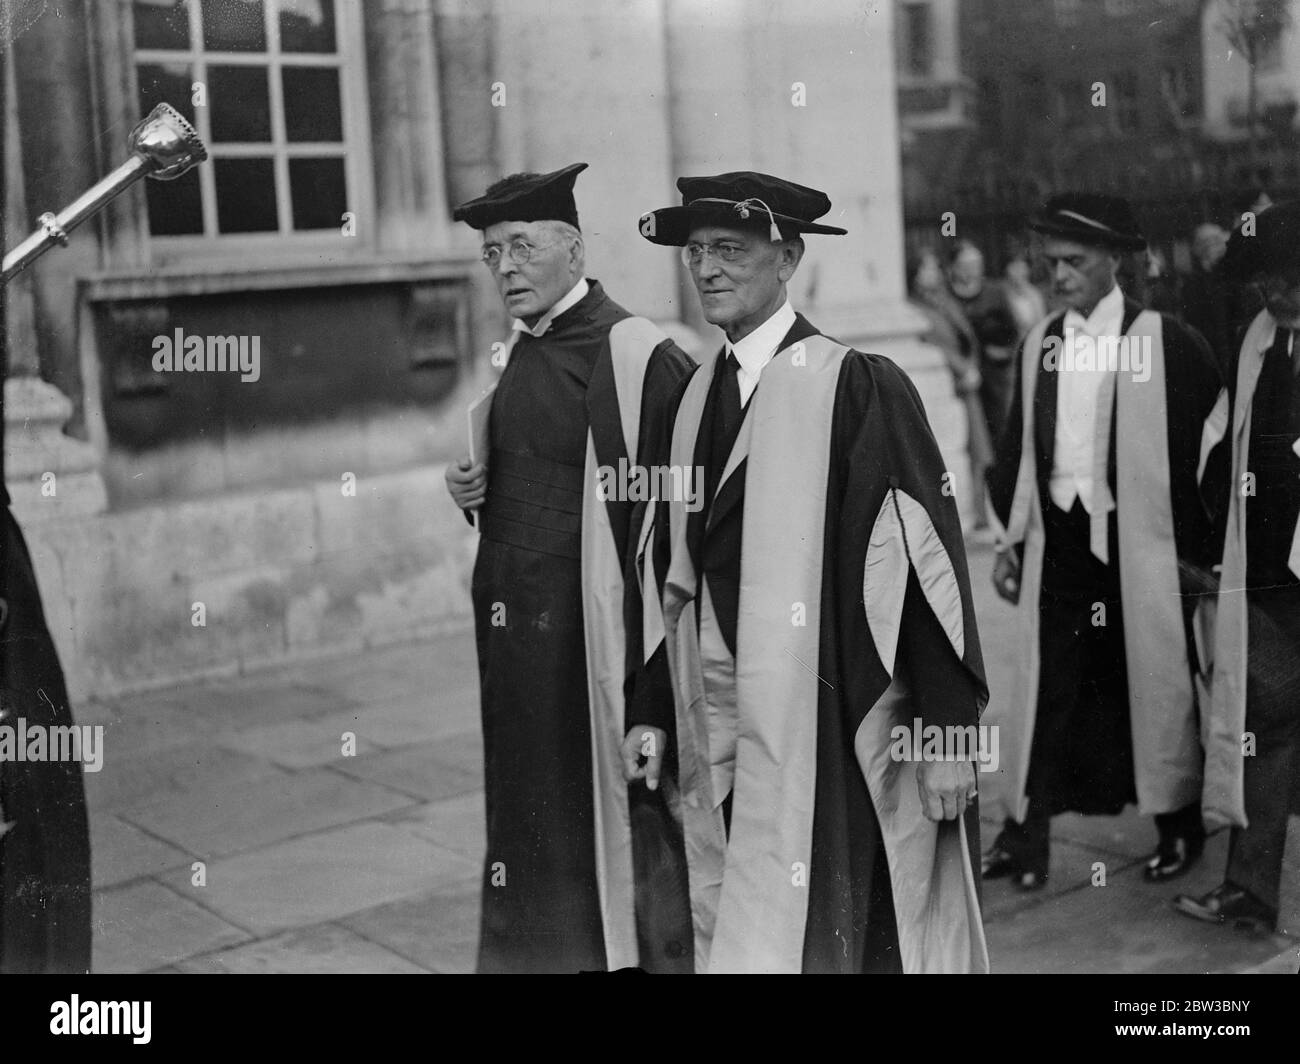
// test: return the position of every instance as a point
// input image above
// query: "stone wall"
(283, 575)
(256, 526)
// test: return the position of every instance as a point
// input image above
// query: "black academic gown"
(880, 439)
(541, 910)
(45, 853)
(1270, 782)
(1081, 759)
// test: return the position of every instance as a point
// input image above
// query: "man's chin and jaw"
(721, 307)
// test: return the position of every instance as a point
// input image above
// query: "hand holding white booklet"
(479, 417)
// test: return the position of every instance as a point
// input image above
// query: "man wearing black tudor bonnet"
(817, 603)
(1103, 543)
(585, 387)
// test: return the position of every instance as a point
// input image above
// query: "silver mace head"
(167, 143)
(164, 146)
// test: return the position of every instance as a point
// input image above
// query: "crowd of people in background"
(1147, 528)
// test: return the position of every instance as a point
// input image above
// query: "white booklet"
(479, 418)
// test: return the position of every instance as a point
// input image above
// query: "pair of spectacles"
(731, 254)
(520, 251)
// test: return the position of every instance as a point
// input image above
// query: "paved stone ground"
(316, 862)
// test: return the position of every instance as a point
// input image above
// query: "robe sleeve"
(1192, 384)
(1216, 473)
(647, 688)
(894, 500)
(1002, 474)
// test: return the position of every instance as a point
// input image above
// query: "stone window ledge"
(212, 279)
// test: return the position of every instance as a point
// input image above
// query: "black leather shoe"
(998, 864)
(1229, 904)
(1028, 881)
(1175, 856)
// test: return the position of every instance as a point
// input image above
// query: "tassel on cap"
(727, 199)
(774, 231)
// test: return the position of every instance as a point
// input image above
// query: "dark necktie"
(1285, 347)
(729, 397)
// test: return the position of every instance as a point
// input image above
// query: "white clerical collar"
(1106, 319)
(755, 350)
(571, 298)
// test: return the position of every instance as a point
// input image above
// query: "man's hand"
(970, 379)
(1006, 576)
(946, 787)
(467, 483)
(648, 743)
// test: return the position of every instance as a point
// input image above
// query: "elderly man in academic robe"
(1252, 768)
(810, 615)
(581, 378)
(1104, 543)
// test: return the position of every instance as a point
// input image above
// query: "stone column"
(21, 313)
(406, 127)
(715, 123)
(586, 80)
(49, 475)
(463, 36)
(57, 141)
(807, 92)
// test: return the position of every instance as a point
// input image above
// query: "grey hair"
(566, 232)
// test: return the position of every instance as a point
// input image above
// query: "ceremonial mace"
(164, 146)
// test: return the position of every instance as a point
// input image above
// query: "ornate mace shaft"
(163, 146)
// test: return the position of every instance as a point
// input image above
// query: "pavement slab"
(127, 780)
(1071, 868)
(219, 817)
(326, 949)
(1128, 835)
(1124, 927)
(422, 771)
(211, 706)
(462, 750)
(388, 671)
(308, 743)
(145, 926)
(323, 876)
(412, 718)
(458, 824)
(121, 852)
(438, 931)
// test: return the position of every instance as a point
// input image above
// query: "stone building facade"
(207, 522)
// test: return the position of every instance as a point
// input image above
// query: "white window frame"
(285, 244)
